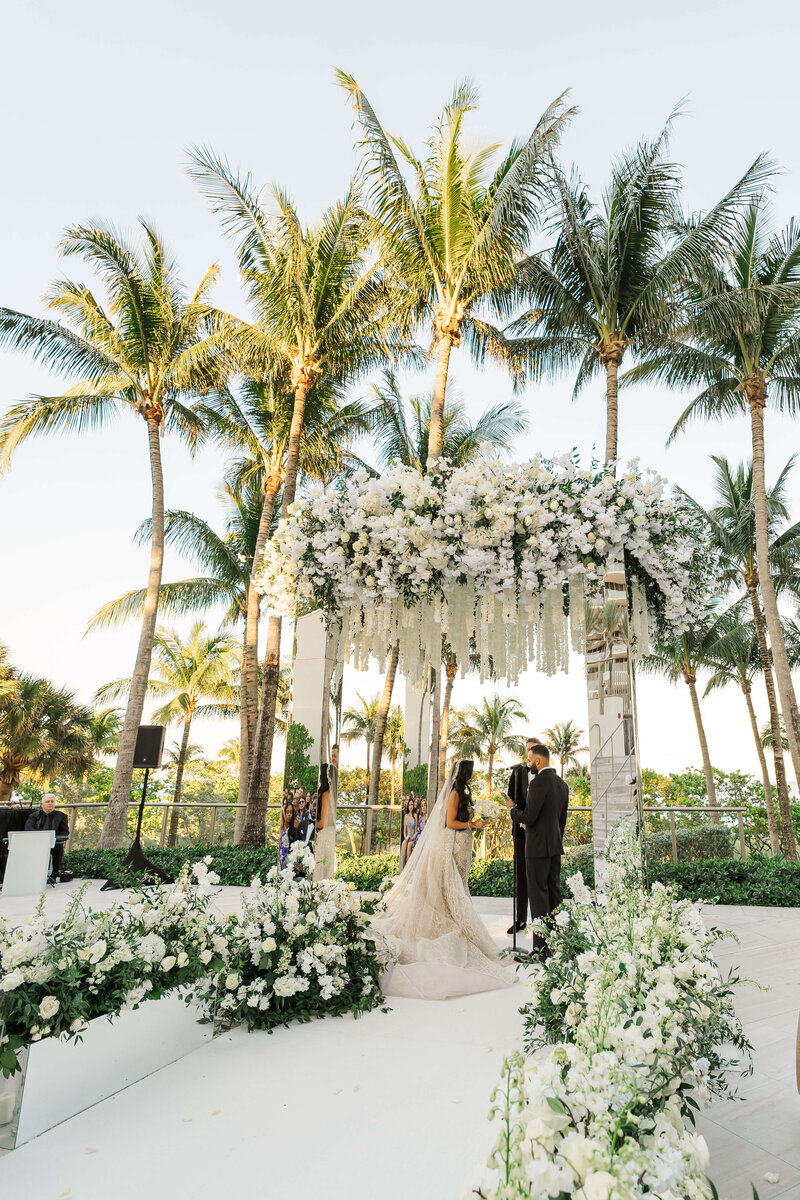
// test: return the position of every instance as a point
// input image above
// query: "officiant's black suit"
(517, 791)
(544, 819)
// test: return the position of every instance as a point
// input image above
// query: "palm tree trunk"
(254, 831)
(436, 434)
(489, 772)
(377, 745)
(172, 836)
(254, 828)
(434, 780)
(701, 733)
(769, 803)
(756, 397)
(6, 790)
(611, 361)
(249, 689)
(772, 701)
(116, 819)
(444, 724)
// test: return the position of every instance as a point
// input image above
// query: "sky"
(107, 102)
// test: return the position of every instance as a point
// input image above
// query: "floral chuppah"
(644, 1030)
(493, 557)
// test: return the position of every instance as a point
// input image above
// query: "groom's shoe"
(517, 928)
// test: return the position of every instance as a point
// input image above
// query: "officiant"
(519, 781)
(544, 819)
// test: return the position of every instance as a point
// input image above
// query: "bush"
(771, 882)
(702, 842)
(235, 865)
(415, 780)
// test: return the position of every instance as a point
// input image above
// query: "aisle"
(391, 1105)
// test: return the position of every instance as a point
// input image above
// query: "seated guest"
(47, 816)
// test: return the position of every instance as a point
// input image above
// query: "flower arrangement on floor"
(644, 1030)
(55, 978)
(484, 555)
(300, 950)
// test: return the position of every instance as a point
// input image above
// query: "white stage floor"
(389, 1106)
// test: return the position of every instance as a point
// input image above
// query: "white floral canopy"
(495, 558)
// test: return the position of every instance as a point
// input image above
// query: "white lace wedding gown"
(325, 841)
(443, 946)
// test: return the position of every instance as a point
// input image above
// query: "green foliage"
(705, 841)
(415, 780)
(771, 882)
(235, 865)
(298, 770)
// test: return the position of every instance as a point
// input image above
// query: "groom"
(544, 818)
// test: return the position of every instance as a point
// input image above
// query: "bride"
(443, 947)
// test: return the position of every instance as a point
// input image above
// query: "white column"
(417, 723)
(308, 678)
(613, 739)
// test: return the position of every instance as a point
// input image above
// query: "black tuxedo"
(544, 819)
(517, 791)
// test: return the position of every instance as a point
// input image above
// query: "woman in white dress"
(325, 841)
(443, 947)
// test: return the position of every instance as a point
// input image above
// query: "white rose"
(77, 1025)
(596, 1186)
(205, 956)
(268, 945)
(232, 981)
(12, 980)
(168, 962)
(49, 1007)
(183, 958)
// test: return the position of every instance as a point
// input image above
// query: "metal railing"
(168, 809)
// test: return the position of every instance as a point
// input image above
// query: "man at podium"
(47, 816)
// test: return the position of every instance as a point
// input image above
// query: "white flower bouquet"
(301, 949)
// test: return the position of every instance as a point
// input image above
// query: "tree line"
(426, 253)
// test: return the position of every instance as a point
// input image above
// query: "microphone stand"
(135, 861)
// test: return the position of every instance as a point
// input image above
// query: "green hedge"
(771, 882)
(702, 842)
(235, 865)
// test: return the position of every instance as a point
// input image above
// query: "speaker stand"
(135, 861)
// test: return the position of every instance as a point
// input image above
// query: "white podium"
(28, 861)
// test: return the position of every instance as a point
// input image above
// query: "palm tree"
(735, 659)
(766, 739)
(230, 753)
(741, 346)
(194, 676)
(43, 731)
(147, 348)
(564, 741)
(454, 243)
(681, 658)
(9, 684)
(395, 742)
(406, 441)
(323, 316)
(255, 420)
(732, 526)
(485, 730)
(359, 721)
(225, 560)
(399, 439)
(608, 283)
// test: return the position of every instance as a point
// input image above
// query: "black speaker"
(149, 746)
